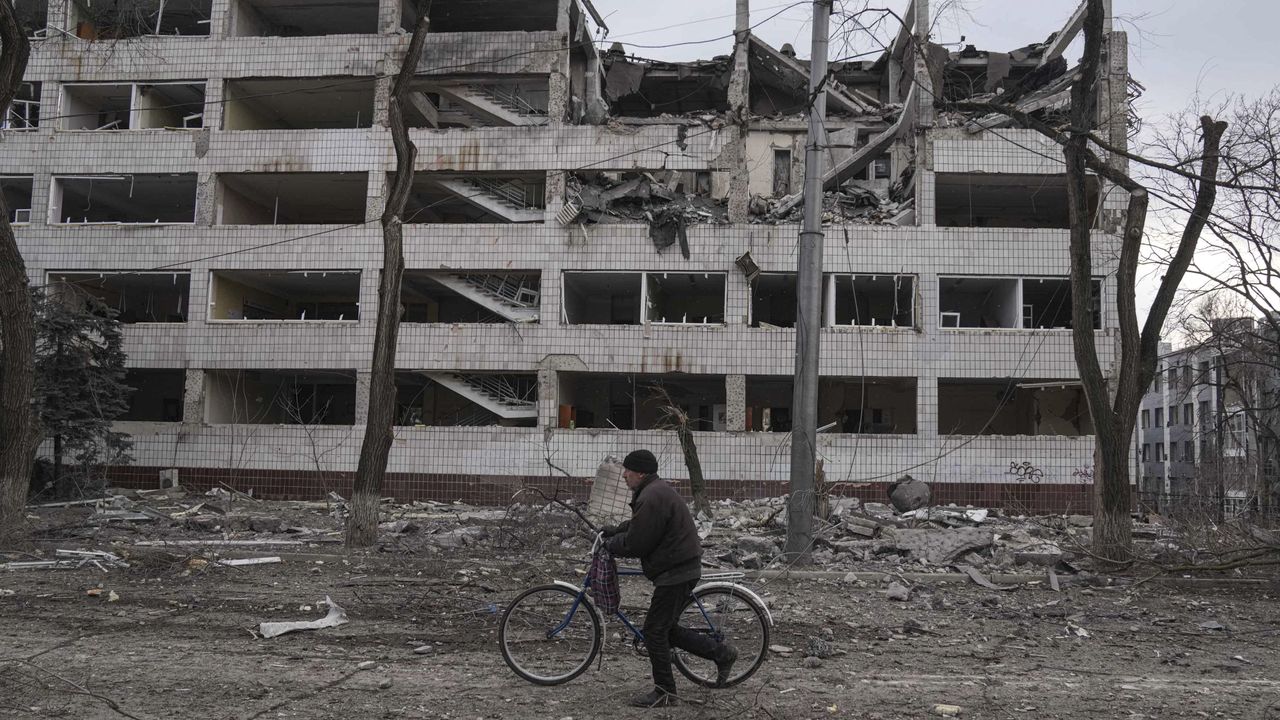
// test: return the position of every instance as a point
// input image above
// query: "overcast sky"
(1176, 47)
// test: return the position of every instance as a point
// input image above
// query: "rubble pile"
(663, 199)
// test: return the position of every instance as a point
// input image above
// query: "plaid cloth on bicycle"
(604, 582)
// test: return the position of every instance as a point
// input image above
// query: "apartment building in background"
(589, 234)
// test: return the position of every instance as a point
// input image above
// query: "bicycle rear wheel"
(548, 636)
(730, 616)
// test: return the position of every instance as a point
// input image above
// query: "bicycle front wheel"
(549, 635)
(729, 616)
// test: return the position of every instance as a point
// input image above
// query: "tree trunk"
(19, 431)
(362, 525)
(1112, 510)
(697, 485)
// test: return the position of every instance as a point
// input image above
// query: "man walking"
(661, 532)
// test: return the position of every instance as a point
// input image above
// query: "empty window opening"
(24, 112)
(602, 298)
(633, 402)
(873, 405)
(768, 402)
(298, 103)
(1046, 303)
(474, 296)
(773, 300)
(113, 19)
(292, 198)
(488, 16)
(137, 297)
(157, 395)
(685, 298)
(17, 197)
(301, 18)
(781, 172)
(976, 302)
(1005, 200)
(484, 102)
(280, 397)
(476, 199)
(284, 295)
(123, 107)
(874, 300)
(1012, 407)
(139, 199)
(33, 17)
(454, 399)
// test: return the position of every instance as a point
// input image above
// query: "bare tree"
(19, 430)
(1114, 404)
(379, 432)
(675, 418)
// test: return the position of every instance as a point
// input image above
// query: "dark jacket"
(662, 534)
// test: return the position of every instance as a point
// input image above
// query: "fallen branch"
(82, 690)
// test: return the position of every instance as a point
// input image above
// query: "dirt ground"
(180, 642)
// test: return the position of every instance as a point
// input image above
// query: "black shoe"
(725, 664)
(656, 697)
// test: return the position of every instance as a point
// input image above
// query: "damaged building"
(592, 239)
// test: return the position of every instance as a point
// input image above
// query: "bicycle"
(551, 633)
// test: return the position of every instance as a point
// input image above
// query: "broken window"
(17, 197)
(114, 19)
(280, 397)
(98, 106)
(1006, 200)
(298, 103)
(1046, 303)
(1012, 407)
(33, 17)
(488, 16)
(867, 405)
(685, 298)
(453, 399)
(769, 400)
(24, 112)
(138, 199)
(472, 296)
(977, 302)
(137, 297)
(436, 198)
(290, 18)
(490, 103)
(773, 300)
(157, 395)
(315, 198)
(602, 298)
(284, 295)
(634, 402)
(873, 300)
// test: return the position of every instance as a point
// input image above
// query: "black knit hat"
(641, 461)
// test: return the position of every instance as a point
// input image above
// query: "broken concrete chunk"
(899, 592)
(937, 547)
(758, 545)
(336, 616)
(907, 494)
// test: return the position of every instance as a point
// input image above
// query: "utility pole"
(804, 415)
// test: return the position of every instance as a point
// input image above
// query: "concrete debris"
(946, 710)
(668, 200)
(336, 616)
(981, 579)
(897, 591)
(906, 494)
(936, 547)
(71, 560)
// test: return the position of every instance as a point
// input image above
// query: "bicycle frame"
(725, 580)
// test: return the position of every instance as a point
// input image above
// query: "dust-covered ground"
(178, 640)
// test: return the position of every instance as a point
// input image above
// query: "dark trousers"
(662, 632)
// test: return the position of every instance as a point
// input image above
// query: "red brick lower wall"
(1024, 498)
